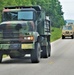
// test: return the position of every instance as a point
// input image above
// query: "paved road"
(60, 63)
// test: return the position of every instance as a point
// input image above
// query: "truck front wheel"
(35, 54)
(72, 36)
(63, 37)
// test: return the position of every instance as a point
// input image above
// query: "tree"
(51, 7)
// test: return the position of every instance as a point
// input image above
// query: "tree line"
(53, 8)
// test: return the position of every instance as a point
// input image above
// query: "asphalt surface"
(61, 62)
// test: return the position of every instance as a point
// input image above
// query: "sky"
(68, 9)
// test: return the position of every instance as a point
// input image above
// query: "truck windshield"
(18, 15)
(25, 15)
(67, 28)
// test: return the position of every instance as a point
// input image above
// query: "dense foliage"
(53, 8)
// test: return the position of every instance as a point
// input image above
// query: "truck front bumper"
(68, 35)
(16, 46)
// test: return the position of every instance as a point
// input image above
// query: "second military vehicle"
(67, 31)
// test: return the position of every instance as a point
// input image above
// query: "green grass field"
(55, 34)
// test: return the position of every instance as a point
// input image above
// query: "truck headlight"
(29, 38)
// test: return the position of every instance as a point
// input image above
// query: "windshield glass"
(18, 15)
(25, 15)
(67, 28)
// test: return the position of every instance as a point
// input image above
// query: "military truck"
(67, 31)
(25, 30)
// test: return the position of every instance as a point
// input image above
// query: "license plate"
(27, 46)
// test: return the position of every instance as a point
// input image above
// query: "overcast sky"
(68, 8)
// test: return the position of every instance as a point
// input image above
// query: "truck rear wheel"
(35, 54)
(49, 49)
(45, 52)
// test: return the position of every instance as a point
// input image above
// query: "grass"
(55, 34)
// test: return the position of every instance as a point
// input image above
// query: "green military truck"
(25, 30)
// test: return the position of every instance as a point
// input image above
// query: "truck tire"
(1, 57)
(72, 36)
(49, 49)
(45, 52)
(36, 54)
(63, 37)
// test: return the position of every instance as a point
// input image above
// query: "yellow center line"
(51, 62)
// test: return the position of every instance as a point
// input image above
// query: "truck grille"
(67, 32)
(10, 34)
